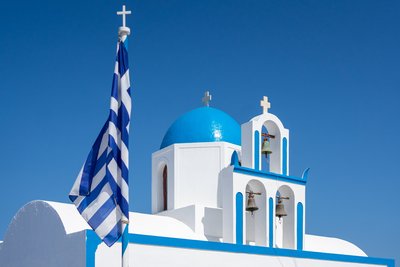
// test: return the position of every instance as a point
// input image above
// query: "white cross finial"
(265, 104)
(123, 30)
(206, 99)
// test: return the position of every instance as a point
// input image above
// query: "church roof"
(203, 124)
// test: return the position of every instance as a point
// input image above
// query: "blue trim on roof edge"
(235, 248)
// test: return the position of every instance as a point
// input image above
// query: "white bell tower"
(252, 140)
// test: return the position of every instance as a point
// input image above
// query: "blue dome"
(203, 125)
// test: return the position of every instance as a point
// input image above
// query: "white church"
(222, 195)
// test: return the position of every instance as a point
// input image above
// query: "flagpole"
(123, 33)
(125, 243)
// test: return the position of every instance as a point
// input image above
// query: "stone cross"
(206, 99)
(123, 13)
(265, 104)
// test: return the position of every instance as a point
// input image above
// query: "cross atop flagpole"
(123, 30)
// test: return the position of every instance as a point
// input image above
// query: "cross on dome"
(265, 104)
(206, 99)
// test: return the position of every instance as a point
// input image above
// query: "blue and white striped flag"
(101, 190)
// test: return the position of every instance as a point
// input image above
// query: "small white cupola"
(195, 148)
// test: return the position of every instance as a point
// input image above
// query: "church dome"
(203, 124)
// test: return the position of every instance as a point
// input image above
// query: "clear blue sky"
(330, 69)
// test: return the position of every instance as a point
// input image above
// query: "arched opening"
(165, 187)
(273, 161)
(284, 218)
(256, 219)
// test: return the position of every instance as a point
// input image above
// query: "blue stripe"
(91, 162)
(101, 162)
(92, 196)
(122, 202)
(116, 155)
(122, 59)
(112, 236)
(102, 213)
(121, 121)
(114, 86)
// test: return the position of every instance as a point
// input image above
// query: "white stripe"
(125, 97)
(116, 174)
(115, 133)
(77, 184)
(98, 177)
(114, 105)
(116, 68)
(95, 182)
(103, 144)
(108, 224)
(96, 204)
(125, 154)
(125, 83)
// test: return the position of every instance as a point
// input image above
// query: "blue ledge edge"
(271, 175)
(93, 241)
(268, 175)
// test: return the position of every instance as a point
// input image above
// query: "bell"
(266, 148)
(280, 209)
(251, 204)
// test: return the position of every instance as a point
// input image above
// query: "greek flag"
(100, 191)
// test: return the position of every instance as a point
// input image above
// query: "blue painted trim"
(284, 156)
(271, 222)
(125, 239)
(235, 159)
(300, 227)
(257, 150)
(270, 175)
(226, 247)
(305, 174)
(92, 242)
(239, 218)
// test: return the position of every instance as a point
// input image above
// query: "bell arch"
(256, 220)
(252, 144)
(272, 134)
(285, 225)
